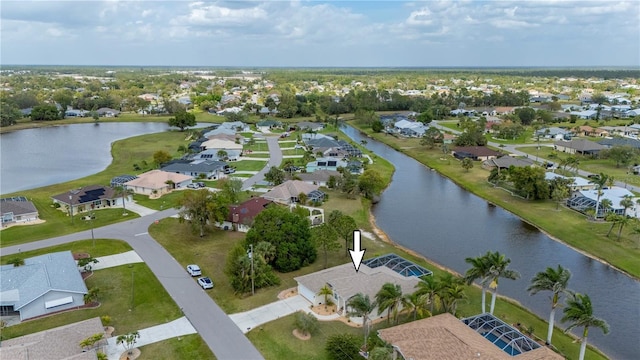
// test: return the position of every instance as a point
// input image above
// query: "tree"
(201, 208)
(64, 98)
(390, 298)
(417, 303)
(125, 192)
(450, 293)
(274, 176)
(360, 305)
(160, 157)
(45, 113)
(600, 181)
(326, 239)
(370, 183)
(222, 155)
(498, 264)
(307, 324)
(526, 115)
(9, 112)
(530, 182)
(556, 281)
(579, 312)
(289, 233)
(326, 292)
(238, 267)
(622, 155)
(342, 347)
(467, 164)
(128, 341)
(479, 271)
(231, 188)
(429, 287)
(16, 262)
(431, 137)
(92, 295)
(377, 126)
(344, 225)
(91, 341)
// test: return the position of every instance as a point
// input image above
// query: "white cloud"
(420, 17)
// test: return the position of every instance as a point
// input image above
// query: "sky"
(551, 33)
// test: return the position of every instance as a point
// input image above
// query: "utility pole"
(71, 207)
(93, 216)
(253, 289)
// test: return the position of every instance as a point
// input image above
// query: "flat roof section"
(398, 264)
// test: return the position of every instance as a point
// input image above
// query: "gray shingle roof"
(18, 207)
(21, 285)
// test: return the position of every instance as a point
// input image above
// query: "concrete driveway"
(275, 159)
(250, 319)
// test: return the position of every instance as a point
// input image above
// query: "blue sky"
(321, 33)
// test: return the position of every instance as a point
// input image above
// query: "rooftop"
(398, 264)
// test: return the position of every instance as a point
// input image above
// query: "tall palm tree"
(579, 312)
(361, 306)
(390, 298)
(479, 271)
(124, 192)
(600, 181)
(429, 287)
(417, 303)
(451, 295)
(556, 281)
(498, 264)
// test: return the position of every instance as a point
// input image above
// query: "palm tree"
(479, 271)
(417, 303)
(429, 287)
(361, 306)
(498, 264)
(605, 205)
(556, 281)
(622, 220)
(451, 295)
(579, 312)
(124, 192)
(326, 291)
(600, 181)
(390, 298)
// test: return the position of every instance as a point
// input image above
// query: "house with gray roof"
(17, 210)
(620, 141)
(553, 133)
(506, 162)
(578, 146)
(108, 112)
(318, 177)
(87, 198)
(210, 169)
(307, 125)
(43, 285)
(288, 192)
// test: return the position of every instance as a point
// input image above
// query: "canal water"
(428, 213)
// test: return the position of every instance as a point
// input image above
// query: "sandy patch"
(300, 335)
(26, 223)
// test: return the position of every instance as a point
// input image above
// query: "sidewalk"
(139, 209)
(175, 328)
(250, 319)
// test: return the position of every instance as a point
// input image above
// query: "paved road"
(514, 150)
(220, 333)
(275, 159)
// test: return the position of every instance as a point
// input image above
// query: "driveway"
(250, 319)
(220, 333)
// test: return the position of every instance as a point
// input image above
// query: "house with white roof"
(410, 128)
(582, 200)
(579, 183)
(44, 284)
(221, 144)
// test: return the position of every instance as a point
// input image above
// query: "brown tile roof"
(245, 212)
(157, 179)
(87, 194)
(444, 337)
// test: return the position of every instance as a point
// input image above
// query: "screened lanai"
(398, 264)
(502, 335)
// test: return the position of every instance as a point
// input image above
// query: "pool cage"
(398, 264)
(582, 203)
(502, 335)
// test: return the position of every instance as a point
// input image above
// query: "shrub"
(343, 347)
(306, 323)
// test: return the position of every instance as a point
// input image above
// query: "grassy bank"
(566, 225)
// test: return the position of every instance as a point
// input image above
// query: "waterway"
(428, 213)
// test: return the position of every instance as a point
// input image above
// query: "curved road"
(275, 159)
(220, 333)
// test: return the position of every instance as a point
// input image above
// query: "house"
(288, 191)
(582, 200)
(318, 177)
(478, 153)
(410, 128)
(17, 210)
(328, 163)
(220, 144)
(120, 180)
(448, 138)
(241, 216)
(43, 285)
(87, 198)
(579, 183)
(267, 125)
(199, 169)
(578, 146)
(311, 126)
(585, 114)
(158, 182)
(213, 154)
(586, 130)
(219, 131)
(345, 282)
(444, 337)
(505, 162)
(553, 133)
(107, 112)
(75, 113)
(620, 141)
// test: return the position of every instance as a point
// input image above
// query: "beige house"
(288, 191)
(444, 337)
(222, 144)
(158, 182)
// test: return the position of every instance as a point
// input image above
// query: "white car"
(205, 283)
(194, 270)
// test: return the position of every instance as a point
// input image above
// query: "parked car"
(205, 283)
(194, 270)
(201, 184)
(229, 170)
(192, 186)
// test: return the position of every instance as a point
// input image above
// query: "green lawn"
(250, 165)
(102, 247)
(183, 347)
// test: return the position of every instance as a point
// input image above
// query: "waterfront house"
(158, 182)
(17, 210)
(478, 153)
(87, 198)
